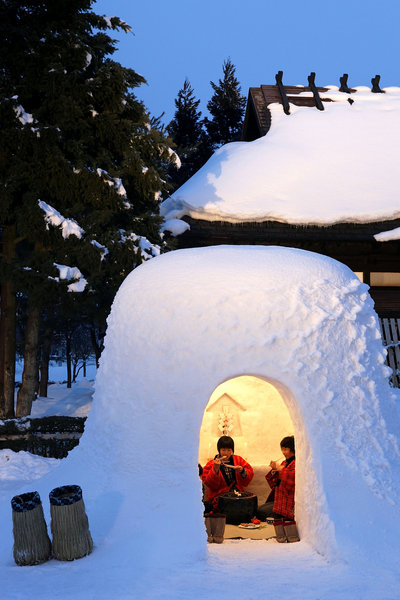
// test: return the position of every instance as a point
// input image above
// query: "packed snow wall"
(187, 321)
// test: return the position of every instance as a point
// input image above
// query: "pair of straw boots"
(69, 527)
(285, 531)
(215, 527)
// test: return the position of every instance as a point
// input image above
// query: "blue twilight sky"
(174, 39)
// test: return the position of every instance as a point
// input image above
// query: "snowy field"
(136, 460)
(19, 472)
(250, 569)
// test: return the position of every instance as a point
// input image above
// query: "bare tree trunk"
(68, 354)
(84, 369)
(75, 370)
(37, 386)
(26, 393)
(44, 363)
(2, 348)
(2, 331)
(96, 346)
(7, 332)
(8, 349)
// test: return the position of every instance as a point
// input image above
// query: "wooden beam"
(343, 84)
(375, 85)
(311, 82)
(278, 78)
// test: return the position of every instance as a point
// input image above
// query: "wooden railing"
(390, 329)
(48, 436)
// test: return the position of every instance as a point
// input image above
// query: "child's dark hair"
(288, 442)
(226, 442)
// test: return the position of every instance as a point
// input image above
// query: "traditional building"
(317, 169)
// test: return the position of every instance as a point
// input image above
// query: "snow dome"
(190, 320)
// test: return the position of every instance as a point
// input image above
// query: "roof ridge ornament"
(311, 82)
(343, 84)
(375, 85)
(285, 102)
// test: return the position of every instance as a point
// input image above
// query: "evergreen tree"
(226, 108)
(185, 128)
(187, 133)
(77, 148)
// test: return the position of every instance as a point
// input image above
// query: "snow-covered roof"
(313, 167)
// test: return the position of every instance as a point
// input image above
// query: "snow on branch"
(115, 182)
(24, 117)
(147, 249)
(53, 217)
(71, 274)
(116, 23)
(103, 249)
(175, 158)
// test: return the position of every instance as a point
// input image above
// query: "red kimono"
(282, 484)
(216, 483)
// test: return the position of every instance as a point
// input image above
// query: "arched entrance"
(253, 412)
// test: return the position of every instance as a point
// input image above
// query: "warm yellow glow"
(257, 415)
(382, 279)
(360, 275)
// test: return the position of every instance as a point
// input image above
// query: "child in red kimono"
(225, 472)
(281, 478)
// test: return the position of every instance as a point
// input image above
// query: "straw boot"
(280, 533)
(218, 521)
(291, 532)
(31, 541)
(207, 521)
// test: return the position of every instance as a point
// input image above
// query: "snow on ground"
(22, 466)
(61, 401)
(305, 323)
(312, 167)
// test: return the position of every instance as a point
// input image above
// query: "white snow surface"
(17, 466)
(387, 236)
(175, 226)
(315, 167)
(61, 401)
(180, 325)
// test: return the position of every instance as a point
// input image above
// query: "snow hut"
(317, 169)
(189, 320)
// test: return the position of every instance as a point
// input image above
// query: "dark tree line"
(196, 138)
(82, 172)
(83, 169)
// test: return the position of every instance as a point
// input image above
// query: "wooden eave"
(350, 243)
(274, 230)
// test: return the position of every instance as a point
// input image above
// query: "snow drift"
(185, 322)
(180, 325)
